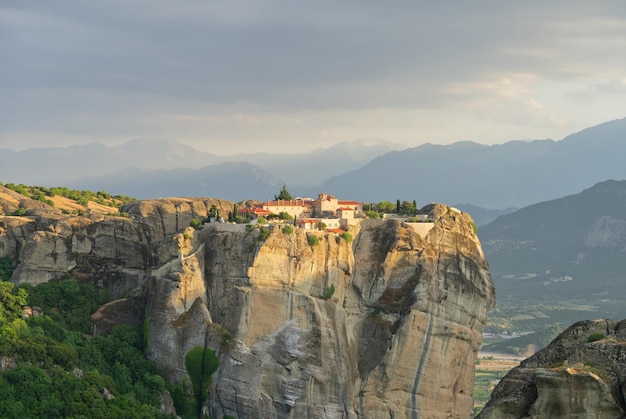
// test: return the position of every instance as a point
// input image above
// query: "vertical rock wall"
(398, 337)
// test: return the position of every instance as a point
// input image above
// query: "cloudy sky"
(292, 75)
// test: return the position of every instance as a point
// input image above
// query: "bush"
(265, 233)
(346, 236)
(195, 223)
(594, 337)
(288, 229)
(312, 240)
(328, 292)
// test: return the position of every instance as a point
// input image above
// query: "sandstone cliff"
(580, 374)
(398, 337)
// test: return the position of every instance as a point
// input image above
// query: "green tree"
(321, 226)
(11, 301)
(385, 206)
(283, 195)
(200, 363)
(6, 268)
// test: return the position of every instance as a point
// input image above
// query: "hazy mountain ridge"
(82, 164)
(235, 181)
(568, 247)
(513, 174)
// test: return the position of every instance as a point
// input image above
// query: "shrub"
(200, 363)
(328, 292)
(346, 236)
(594, 337)
(249, 227)
(312, 240)
(288, 229)
(265, 233)
(474, 227)
(195, 223)
(322, 226)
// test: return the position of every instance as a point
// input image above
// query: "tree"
(283, 195)
(200, 363)
(407, 208)
(398, 206)
(321, 226)
(11, 301)
(385, 206)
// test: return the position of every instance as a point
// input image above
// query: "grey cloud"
(71, 57)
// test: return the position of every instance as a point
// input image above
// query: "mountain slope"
(235, 181)
(514, 174)
(53, 166)
(572, 247)
(313, 168)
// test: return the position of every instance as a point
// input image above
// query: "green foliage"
(288, 229)
(249, 227)
(195, 223)
(200, 363)
(595, 336)
(261, 221)
(346, 236)
(283, 195)
(83, 197)
(6, 268)
(313, 240)
(372, 214)
(284, 216)
(328, 292)
(43, 384)
(321, 226)
(11, 302)
(385, 206)
(265, 233)
(407, 207)
(73, 302)
(474, 227)
(19, 212)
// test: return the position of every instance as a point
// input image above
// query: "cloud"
(121, 68)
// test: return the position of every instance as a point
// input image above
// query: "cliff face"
(580, 374)
(397, 337)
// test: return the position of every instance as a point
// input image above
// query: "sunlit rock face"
(578, 375)
(384, 323)
(398, 337)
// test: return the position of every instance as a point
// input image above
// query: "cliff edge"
(580, 374)
(383, 322)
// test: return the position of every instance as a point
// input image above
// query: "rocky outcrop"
(581, 374)
(398, 337)
(383, 323)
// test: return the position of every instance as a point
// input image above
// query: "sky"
(290, 75)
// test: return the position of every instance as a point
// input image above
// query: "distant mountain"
(483, 216)
(514, 174)
(234, 181)
(313, 168)
(54, 166)
(568, 248)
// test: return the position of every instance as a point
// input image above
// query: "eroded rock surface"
(580, 374)
(398, 336)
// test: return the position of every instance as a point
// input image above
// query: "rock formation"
(387, 324)
(580, 374)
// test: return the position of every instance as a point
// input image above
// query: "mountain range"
(572, 247)
(510, 175)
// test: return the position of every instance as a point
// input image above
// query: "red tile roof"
(349, 203)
